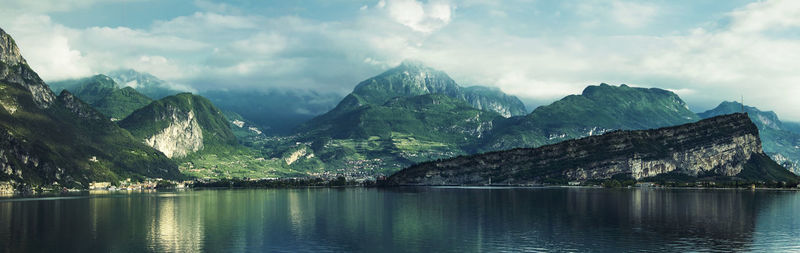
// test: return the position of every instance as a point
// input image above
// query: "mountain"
(105, 95)
(721, 148)
(408, 114)
(47, 139)
(398, 133)
(180, 124)
(144, 83)
(413, 79)
(276, 111)
(780, 140)
(598, 109)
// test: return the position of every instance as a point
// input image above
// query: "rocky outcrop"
(493, 99)
(9, 53)
(716, 146)
(182, 137)
(15, 70)
(18, 162)
(179, 125)
(77, 107)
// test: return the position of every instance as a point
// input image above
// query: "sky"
(705, 51)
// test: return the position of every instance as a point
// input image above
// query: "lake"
(405, 220)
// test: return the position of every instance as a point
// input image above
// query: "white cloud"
(764, 15)
(421, 17)
(209, 49)
(47, 47)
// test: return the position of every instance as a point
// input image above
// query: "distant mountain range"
(276, 111)
(105, 95)
(407, 115)
(144, 83)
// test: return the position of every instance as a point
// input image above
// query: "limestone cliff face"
(717, 146)
(179, 125)
(181, 137)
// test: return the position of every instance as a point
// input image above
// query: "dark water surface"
(406, 219)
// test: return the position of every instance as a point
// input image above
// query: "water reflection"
(405, 219)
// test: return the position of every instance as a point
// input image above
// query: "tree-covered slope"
(369, 138)
(597, 110)
(47, 139)
(779, 141)
(105, 95)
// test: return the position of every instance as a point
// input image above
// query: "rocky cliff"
(180, 125)
(15, 70)
(778, 138)
(721, 146)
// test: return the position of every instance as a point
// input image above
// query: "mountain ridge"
(722, 146)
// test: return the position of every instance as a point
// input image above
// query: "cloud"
(48, 48)
(765, 15)
(537, 55)
(421, 17)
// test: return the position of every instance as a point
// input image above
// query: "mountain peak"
(14, 69)
(9, 52)
(416, 68)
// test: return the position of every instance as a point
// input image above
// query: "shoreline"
(5, 196)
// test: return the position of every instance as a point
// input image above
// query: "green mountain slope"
(597, 110)
(402, 131)
(414, 79)
(180, 124)
(102, 93)
(780, 142)
(47, 139)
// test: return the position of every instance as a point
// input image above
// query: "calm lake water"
(406, 219)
